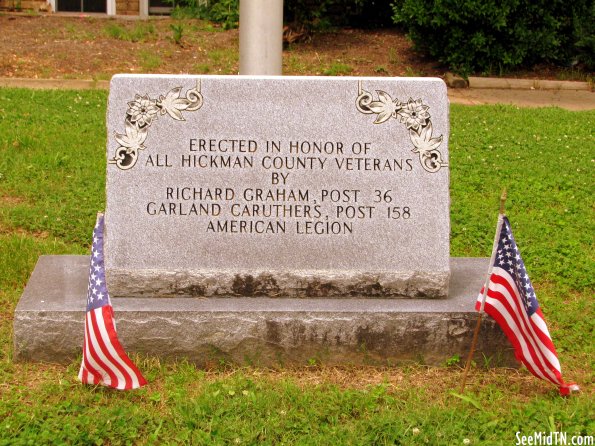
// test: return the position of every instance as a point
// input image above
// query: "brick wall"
(25, 5)
(127, 7)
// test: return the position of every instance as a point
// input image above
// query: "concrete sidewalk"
(567, 99)
(564, 98)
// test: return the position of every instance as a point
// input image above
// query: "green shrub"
(324, 14)
(226, 12)
(584, 36)
(495, 36)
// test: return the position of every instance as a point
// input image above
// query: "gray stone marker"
(387, 232)
(261, 331)
(277, 186)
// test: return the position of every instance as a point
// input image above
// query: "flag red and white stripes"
(528, 334)
(104, 359)
(510, 299)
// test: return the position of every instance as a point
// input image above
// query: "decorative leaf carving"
(385, 107)
(141, 114)
(172, 104)
(134, 137)
(424, 141)
(414, 114)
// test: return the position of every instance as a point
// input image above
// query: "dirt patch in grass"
(68, 47)
(95, 47)
(437, 380)
(10, 200)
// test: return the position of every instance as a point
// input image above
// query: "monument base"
(268, 332)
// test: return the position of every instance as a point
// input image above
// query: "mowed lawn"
(52, 183)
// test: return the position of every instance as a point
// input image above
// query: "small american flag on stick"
(510, 299)
(104, 360)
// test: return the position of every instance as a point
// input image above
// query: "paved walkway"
(567, 99)
(563, 98)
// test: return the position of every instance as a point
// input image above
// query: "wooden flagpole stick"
(485, 291)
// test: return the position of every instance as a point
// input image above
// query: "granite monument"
(310, 204)
(279, 186)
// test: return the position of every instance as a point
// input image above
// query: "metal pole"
(470, 357)
(261, 37)
(485, 292)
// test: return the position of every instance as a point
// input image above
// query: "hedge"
(496, 36)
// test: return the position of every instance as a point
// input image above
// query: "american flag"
(104, 360)
(511, 301)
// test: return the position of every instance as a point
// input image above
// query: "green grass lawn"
(52, 180)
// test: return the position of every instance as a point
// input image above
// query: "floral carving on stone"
(414, 114)
(142, 113)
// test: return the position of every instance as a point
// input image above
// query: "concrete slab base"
(268, 332)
